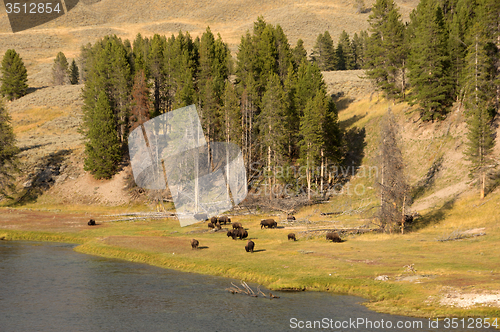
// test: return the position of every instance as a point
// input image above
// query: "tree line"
(270, 100)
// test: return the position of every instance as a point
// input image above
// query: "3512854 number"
(32, 8)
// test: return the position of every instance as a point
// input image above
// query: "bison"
(269, 223)
(250, 245)
(225, 219)
(290, 218)
(194, 244)
(210, 225)
(291, 236)
(238, 232)
(237, 225)
(217, 225)
(91, 222)
(334, 236)
(214, 220)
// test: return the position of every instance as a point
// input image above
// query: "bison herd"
(238, 231)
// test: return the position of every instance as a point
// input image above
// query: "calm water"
(49, 287)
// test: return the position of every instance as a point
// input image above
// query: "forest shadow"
(341, 102)
(419, 189)
(35, 89)
(42, 178)
(433, 217)
(350, 121)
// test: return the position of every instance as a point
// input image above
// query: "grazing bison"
(91, 222)
(237, 225)
(250, 245)
(238, 232)
(291, 236)
(217, 225)
(269, 223)
(194, 244)
(290, 218)
(225, 219)
(334, 236)
(214, 220)
(210, 225)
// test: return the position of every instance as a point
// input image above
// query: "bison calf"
(237, 225)
(91, 222)
(194, 244)
(334, 236)
(210, 225)
(250, 245)
(291, 236)
(268, 223)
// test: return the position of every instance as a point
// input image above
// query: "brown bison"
(218, 226)
(238, 232)
(214, 220)
(250, 245)
(194, 244)
(268, 223)
(334, 236)
(210, 225)
(225, 219)
(91, 222)
(291, 236)
(237, 225)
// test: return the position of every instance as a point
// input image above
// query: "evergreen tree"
(102, 149)
(299, 54)
(74, 75)
(347, 53)
(480, 92)
(8, 152)
(429, 62)
(385, 52)
(14, 76)
(312, 136)
(324, 52)
(232, 115)
(155, 68)
(60, 69)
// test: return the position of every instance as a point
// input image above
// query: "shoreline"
(392, 297)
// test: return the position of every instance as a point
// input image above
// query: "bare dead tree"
(392, 182)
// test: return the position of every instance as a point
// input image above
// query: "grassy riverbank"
(441, 269)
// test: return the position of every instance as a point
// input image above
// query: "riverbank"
(415, 274)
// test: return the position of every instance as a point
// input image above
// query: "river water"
(49, 287)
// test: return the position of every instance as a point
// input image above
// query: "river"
(50, 287)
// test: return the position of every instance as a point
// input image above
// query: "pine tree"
(60, 69)
(347, 53)
(8, 152)
(480, 95)
(429, 62)
(14, 76)
(102, 149)
(74, 75)
(312, 142)
(324, 52)
(299, 54)
(385, 52)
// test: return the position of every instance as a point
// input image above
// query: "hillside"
(91, 20)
